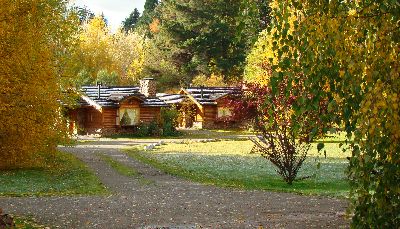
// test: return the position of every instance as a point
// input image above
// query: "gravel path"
(158, 200)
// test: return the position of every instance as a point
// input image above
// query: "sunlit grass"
(229, 164)
(65, 175)
(27, 223)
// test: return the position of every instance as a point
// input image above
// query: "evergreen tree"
(205, 37)
(130, 22)
(148, 13)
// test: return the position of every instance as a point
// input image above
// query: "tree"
(106, 78)
(149, 13)
(258, 69)
(285, 138)
(204, 37)
(94, 52)
(130, 22)
(35, 39)
(120, 54)
(83, 13)
(128, 52)
(347, 53)
(211, 81)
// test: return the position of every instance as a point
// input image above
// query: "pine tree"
(148, 13)
(131, 21)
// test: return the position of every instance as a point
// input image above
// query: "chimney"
(148, 87)
(98, 89)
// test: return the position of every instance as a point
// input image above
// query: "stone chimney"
(148, 87)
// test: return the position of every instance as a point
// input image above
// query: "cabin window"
(128, 116)
(224, 112)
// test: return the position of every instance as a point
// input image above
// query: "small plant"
(285, 138)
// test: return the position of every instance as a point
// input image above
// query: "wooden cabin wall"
(109, 120)
(93, 120)
(209, 116)
(149, 114)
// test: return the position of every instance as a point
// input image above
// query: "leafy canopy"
(347, 52)
(35, 44)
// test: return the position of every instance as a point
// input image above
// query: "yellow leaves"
(100, 50)
(352, 12)
(33, 61)
(274, 4)
(214, 80)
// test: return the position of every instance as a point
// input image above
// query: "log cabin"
(108, 110)
(210, 106)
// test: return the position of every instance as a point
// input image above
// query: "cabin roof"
(171, 98)
(110, 96)
(210, 95)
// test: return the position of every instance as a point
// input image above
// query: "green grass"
(66, 175)
(27, 223)
(119, 167)
(229, 164)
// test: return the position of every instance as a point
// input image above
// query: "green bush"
(169, 118)
(148, 130)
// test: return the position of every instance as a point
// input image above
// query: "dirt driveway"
(158, 200)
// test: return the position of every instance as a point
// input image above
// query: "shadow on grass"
(67, 176)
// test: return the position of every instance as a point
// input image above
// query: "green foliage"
(257, 69)
(106, 78)
(159, 65)
(84, 78)
(169, 117)
(148, 129)
(346, 53)
(83, 13)
(195, 37)
(130, 22)
(148, 15)
(62, 174)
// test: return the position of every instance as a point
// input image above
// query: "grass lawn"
(65, 176)
(26, 223)
(229, 164)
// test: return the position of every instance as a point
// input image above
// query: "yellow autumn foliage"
(34, 39)
(347, 53)
(101, 50)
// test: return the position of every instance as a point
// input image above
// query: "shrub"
(148, 130)
(169, 117)
(286, 138)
